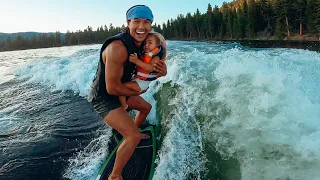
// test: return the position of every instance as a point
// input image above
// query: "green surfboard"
(141, 165)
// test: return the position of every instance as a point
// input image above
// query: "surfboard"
(141, 165)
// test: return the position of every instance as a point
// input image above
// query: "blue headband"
(140, 11)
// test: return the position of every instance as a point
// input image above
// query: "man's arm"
(146, 66)
(115, 56)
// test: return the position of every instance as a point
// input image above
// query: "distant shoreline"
(294, 38)
(266, 43)
(252, 43)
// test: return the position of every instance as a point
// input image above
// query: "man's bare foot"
(144, 136)
(111, 177)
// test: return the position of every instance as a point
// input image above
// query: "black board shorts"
(104, 106)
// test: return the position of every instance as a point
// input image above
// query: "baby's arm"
(148, 67)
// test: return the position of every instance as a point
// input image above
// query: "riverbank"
(308, 41)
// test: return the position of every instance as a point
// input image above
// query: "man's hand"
(133, 58)
(160, 68)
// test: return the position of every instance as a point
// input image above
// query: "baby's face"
(151, 43)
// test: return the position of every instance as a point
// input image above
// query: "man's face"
(139, 28)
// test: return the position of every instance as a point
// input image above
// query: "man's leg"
(120, 120)
(144, 108)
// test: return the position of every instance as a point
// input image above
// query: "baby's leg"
(132, 85)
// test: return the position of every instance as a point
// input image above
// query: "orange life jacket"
(146, 58)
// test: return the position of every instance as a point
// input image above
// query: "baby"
(155, 51)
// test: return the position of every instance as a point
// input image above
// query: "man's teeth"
(140, 32)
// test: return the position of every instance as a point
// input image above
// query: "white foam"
(264, 112)
(86, 163)
(272, 122)
(62, 73)
(182, 153)
(10, 60)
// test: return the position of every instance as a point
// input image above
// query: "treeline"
(248, 19)
(240, 19)
(88, 36)
(37, 41)
(45, 40)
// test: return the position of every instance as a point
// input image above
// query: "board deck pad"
(141, 164)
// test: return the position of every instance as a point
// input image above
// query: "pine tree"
(58, 39)
(300, 7)
(198, 21)
(27, 43)
(230, 23)
(106, 31)
(209, 9)
(181, 23)
(279, 29)
(217, 18)
(245, 18)
(2, 46)
(236, 28)
(267, 13)
(241, 24)
(318, 17)
(311, 15)
(251, 18)
(204, 26)
(210, 22)
(8, 43)
(51, 41)
(286, 5)
(67, 38)
(168, 29)
(111, 29)
(19, 42)
(280, 20)
(190, 26)
(171, 30)
(33, 41)
(164, 30)
(264, 10)
(209, 19)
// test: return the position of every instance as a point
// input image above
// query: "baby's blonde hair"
(159, 36)
(161, 40)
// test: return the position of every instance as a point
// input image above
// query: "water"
(224, 112)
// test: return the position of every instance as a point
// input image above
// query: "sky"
(73, 15)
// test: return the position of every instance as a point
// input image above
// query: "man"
(114, 69)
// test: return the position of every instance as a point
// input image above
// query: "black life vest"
(98, 86)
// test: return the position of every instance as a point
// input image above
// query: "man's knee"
(134, 137)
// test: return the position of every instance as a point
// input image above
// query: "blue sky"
(63, 15)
